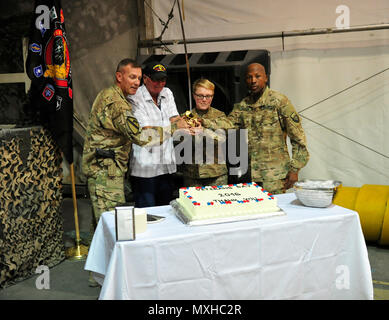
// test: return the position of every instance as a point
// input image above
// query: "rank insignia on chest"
(264, 107)
(295, 117)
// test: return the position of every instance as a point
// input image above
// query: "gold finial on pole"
(79, 252)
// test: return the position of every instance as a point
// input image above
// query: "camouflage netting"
(31, 226)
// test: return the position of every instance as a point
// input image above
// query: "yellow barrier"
(346, 197)
(372, 204)
(384, 240)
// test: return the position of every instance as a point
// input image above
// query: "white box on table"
(129, 222)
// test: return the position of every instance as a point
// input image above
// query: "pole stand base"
(79, 252)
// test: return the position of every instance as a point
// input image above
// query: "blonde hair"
(205, 83)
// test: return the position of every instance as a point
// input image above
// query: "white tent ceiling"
(337, 81)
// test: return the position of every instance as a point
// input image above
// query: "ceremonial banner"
(48, 67)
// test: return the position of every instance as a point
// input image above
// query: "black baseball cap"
(155, 70)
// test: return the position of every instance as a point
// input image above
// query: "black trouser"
(150, 192)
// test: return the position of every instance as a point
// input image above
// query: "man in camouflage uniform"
(214, 172)
(269, 117)
(112, 129)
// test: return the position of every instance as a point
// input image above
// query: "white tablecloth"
(310, 253)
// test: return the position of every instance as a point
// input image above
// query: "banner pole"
(186, 57)
(79, 252)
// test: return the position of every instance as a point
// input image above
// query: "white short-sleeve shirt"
(150, 162)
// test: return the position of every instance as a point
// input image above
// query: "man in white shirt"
(151, 168)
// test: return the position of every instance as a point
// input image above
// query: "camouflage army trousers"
(202, 182)
(106, 192)
(274, 187)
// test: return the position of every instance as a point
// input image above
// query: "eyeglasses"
(201, 97)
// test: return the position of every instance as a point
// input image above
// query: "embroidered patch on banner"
(38, 71)
(61, 16)
(53, 13)
(36, 48)
(59, 103)
(41, 28)
(57, 59)
(48, 92)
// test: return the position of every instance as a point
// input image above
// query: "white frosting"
(212, 202)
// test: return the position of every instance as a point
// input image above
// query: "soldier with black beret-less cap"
(152, 168)
(155, 70)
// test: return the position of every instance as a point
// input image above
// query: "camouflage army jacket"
(268, 120)
(112, 127)
(217, 167)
